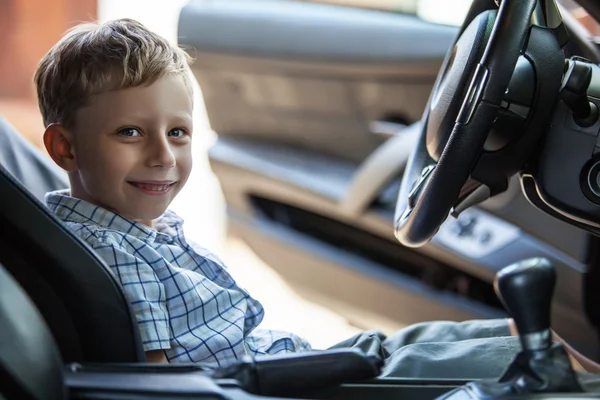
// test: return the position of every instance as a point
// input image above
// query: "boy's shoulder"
(99, 237)
(93, 224)
(95, 235)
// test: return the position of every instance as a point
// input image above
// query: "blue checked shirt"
(183, 298)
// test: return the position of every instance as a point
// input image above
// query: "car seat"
(30, 364)
(31, 367)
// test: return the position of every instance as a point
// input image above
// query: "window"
(452, 12)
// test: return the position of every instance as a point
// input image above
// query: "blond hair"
(92, 59)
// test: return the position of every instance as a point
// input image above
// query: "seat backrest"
(27, 164)
(30, 364)
(74, 290)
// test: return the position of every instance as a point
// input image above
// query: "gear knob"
(525, 289)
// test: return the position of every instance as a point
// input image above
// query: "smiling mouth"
(153, 188)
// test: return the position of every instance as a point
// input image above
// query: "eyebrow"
(142, 120)
(187, 119)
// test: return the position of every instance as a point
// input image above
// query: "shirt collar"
(71, 209)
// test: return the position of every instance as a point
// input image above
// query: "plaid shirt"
(183, 298)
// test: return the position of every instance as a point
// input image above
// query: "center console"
(540, 370)
(167, 384)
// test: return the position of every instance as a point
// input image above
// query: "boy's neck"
(78, 193)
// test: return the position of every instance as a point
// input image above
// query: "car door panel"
(287, 206)
(262, 75)
(316, 109)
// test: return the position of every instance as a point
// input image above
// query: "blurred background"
(28, 28)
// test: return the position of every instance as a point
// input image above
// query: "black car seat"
(74, 290)
(30, 364)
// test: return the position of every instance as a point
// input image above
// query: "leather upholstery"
(30, 365)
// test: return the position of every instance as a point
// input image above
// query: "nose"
(160, 154)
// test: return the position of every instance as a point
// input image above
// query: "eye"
(130, 132)
(177, 133)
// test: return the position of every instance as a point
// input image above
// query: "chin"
(148, 214)
(151, 216)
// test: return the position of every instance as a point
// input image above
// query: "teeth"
(154, 188)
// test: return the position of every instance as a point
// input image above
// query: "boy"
(116, 101)
(117, 105)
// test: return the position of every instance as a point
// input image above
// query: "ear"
(59, 145)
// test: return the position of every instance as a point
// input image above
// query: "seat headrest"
(27, 164)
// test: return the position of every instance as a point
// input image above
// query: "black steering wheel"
(462, 108)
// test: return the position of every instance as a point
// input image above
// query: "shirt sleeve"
(145, 293)
(268, 341)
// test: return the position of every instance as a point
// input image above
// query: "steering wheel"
(461, 110)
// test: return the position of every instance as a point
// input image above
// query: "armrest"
(108, 381)
(291, 374)
(278, 375)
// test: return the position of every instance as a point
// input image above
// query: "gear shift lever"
(525, 289)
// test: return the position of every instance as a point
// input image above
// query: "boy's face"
(132, 148)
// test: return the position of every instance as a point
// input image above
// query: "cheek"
(103, 164)
(184, 161)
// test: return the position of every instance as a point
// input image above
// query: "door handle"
(385, 128)
(374, 173)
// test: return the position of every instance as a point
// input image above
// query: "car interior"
(313, 142)
(485, 204)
